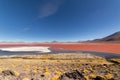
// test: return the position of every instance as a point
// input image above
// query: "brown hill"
(111, 38)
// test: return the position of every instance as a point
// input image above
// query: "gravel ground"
(58, 67)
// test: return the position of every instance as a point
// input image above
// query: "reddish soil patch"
(99, 47)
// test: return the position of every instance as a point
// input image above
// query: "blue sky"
(60, 20)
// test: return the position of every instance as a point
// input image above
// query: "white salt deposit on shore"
(18, 49)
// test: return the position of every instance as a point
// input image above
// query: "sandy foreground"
(61, 66)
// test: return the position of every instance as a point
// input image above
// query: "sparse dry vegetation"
(52, 66)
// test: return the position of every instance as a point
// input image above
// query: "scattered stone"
(8, 72)
(42, 75)
(75, 75)
(99, 78)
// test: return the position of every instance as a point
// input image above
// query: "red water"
(99, 47)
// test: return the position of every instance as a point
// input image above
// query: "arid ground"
(61, 66)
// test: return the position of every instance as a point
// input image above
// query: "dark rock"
(99, 78)
(75, 75)
(105, 65)
(111, 79)
(32, 79)
(8, 72)
(42, 75)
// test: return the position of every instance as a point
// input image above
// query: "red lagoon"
(99, 47)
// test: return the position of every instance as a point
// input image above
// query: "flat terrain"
(98, 47)
(57, 67)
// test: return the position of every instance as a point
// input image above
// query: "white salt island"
(18, 49)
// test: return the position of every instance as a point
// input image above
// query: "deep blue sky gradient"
(61, 20)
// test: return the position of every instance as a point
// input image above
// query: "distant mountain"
(111, 38)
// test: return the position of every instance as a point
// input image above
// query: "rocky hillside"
(111, 38)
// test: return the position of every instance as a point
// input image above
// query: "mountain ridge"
(115, 37)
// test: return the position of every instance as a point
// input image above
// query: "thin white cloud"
(49, 7)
